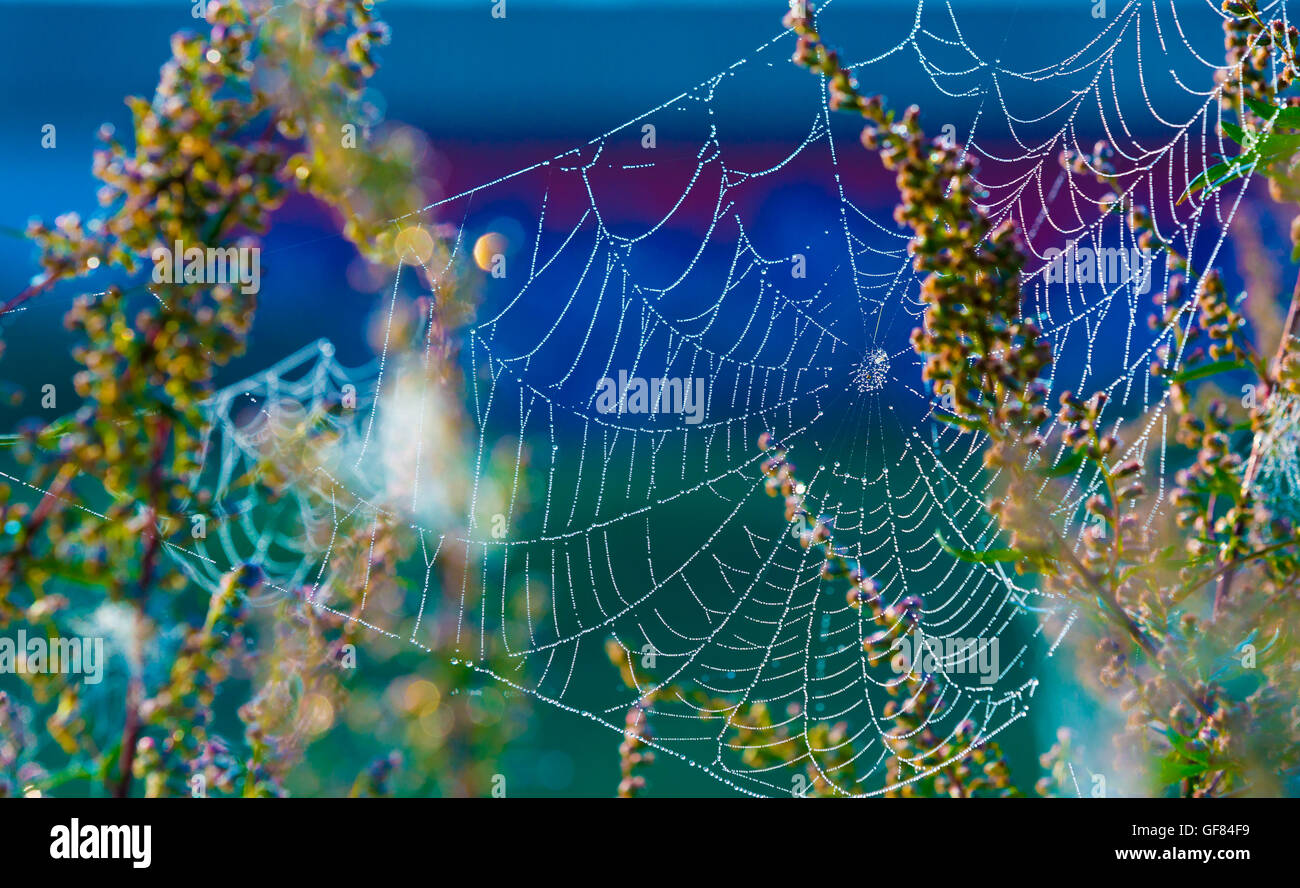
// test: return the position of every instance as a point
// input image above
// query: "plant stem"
(132, 725)
(130, 738)
(1223, 590)
(34, 290)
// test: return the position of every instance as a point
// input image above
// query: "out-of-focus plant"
(270, 101)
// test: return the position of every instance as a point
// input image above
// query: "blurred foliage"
(206, 695)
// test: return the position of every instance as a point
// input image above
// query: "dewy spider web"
(655, 531)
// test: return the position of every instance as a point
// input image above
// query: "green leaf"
(1172, 771)
(74, 770)
(968, 424)
(1200, 371)
(988, 556)
(1237, 168)
(1203, 179)
(1261, 109)
(1066, 466)
(1236, 133)
(1288, 119)
(1277, 145)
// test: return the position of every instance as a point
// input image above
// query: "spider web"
(654, 531)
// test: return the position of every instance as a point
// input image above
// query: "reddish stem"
(1223, 591)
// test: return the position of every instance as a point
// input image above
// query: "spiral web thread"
(656, 532)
